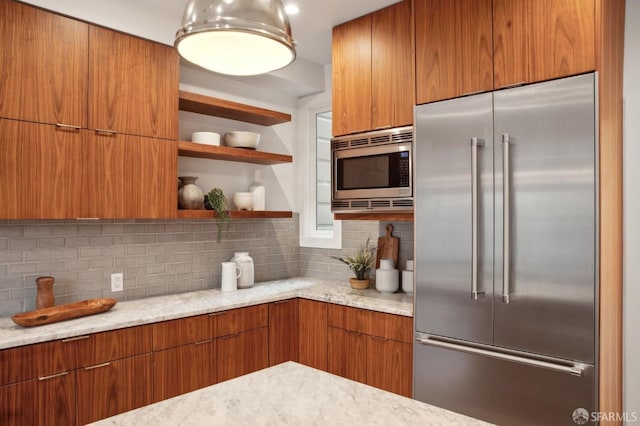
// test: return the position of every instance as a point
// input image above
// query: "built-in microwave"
(372, 171)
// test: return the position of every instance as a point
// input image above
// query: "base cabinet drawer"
(114, 387)
(46, 401)
(242, 353)
(183, 369)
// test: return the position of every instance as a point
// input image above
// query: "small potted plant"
(360, 264)
(217, 202)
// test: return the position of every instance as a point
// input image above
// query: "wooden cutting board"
(388, 247)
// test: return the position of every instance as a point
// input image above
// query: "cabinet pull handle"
(280, 302)
(475, 92)
(506, 219)
(73, 339)
(216, 314)
(53, 376)
(508, 86)
(106, 132)
(388, 126)
(87, 218)
(380, 338)
(68, 127)
(231, 336)
(97, 366)
(475, 144)
(203, 342)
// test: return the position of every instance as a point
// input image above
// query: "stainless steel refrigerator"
(506, 253)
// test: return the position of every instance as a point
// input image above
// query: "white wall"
(632, 208)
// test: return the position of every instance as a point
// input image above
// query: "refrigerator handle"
(475, 144)
(506, 216)
(572, 369)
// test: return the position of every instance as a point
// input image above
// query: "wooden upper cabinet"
(392, 67)
(351, 68)
(453, 48)
(536, 40)
(135, 176)
(133, 85)
(43, 66)
(41, 171)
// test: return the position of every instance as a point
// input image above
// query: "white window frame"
(309, 235)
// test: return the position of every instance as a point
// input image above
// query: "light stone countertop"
(290, 394)
(155, 309)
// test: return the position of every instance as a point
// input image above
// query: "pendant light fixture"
(236, 37)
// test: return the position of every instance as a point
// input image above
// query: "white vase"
(245, 262)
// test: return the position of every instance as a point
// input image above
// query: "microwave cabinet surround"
(372, 171)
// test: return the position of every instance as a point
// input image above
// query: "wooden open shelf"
(235, 214)
(216, 107)
(225, 153)
(387, 217)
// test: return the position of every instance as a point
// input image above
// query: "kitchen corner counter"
(294, 394)
(163, 308)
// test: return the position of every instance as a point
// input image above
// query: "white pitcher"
(230, 274)
(245, 262)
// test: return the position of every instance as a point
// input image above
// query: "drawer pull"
(280, 302)
(53, 376)
(231, 336)
(216, 314)
(97, 366)
(379, 338)
(68, 127)
(106, 132)
(73, 339)
(203, 342)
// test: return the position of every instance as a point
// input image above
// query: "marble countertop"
(290, 394)
(155, 309)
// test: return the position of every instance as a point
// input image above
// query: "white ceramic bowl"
(207, 138)
(242, 139)
(243, 200)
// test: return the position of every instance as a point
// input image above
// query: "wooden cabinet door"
(537, 40)
(16, 404)
(392, 67)
(183, 369)
(107, 346)
(242, 353)
(351, 80)
(235, 321)
(41, 173)
(389, 365)
(283, 331)
(56, 399)
(453, 48)
(107, 389)
(347, 354)
(43, 63)
(131, 176)
(133, 85)
(313, 334)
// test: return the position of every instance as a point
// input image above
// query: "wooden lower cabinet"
(242, 353)
(348, 351)
(313, 334)
(114, 387)
(50, 401)
(283, 331)
(389, 365)
(183, 369)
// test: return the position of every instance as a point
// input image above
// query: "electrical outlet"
(117, 282)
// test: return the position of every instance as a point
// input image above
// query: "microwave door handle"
(475, 144)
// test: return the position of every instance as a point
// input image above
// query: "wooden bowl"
(64, 312)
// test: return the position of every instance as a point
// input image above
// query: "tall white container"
(258, 191)
(245, 262)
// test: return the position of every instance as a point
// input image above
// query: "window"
(317, 227)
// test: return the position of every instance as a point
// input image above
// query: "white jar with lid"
(245, 263)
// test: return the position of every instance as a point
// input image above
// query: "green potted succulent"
(217, 202)
(360, 264)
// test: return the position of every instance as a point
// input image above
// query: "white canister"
(230, 274)
(407, 281)
(387, 280)
(386, 264)
(245, 262)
